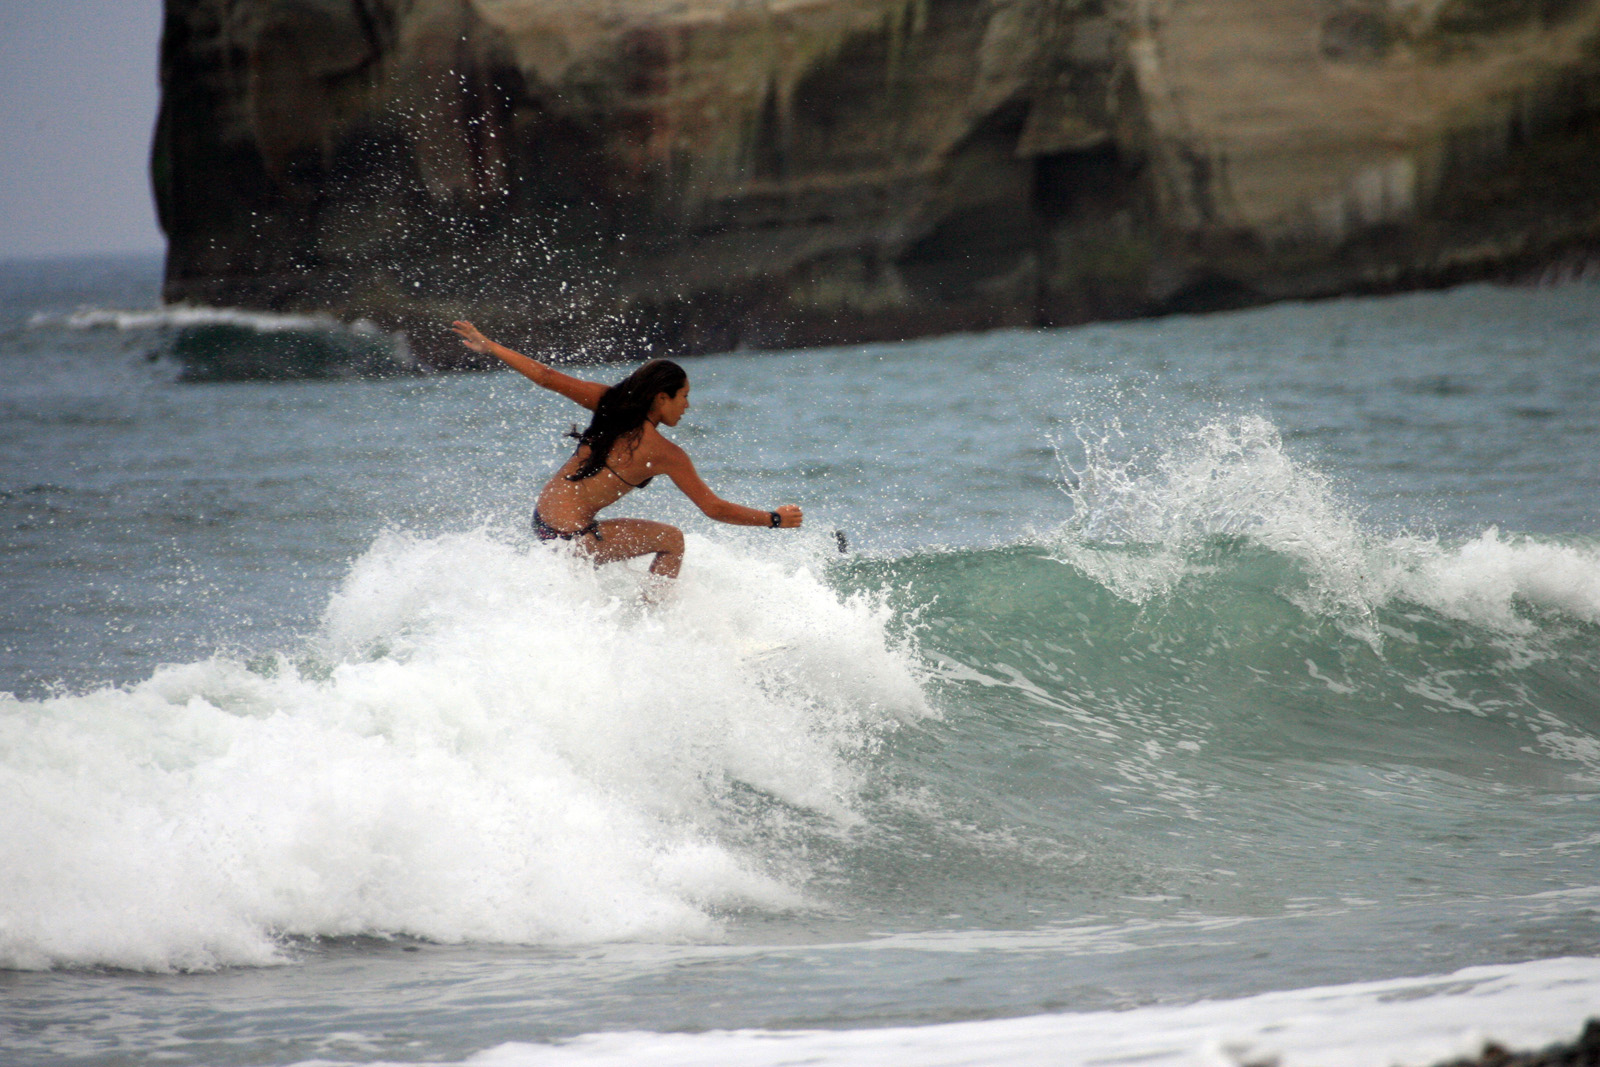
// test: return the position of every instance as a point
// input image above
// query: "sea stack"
(596, 179)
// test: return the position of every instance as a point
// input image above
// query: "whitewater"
(1210, 690)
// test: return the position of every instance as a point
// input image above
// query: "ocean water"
(1196, 691)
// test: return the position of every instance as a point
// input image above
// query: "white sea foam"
(1138, 526)
(1485, 579)
(1415, 1021)
(489, 743)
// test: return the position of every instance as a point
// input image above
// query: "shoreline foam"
(1426, 1020)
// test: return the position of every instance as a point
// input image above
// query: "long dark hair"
(622, 411)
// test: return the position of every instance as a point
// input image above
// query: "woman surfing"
(622, 450)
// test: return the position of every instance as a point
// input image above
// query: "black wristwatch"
(777, 520)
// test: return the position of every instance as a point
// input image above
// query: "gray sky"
(77, 105)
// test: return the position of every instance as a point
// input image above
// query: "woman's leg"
(626, 538)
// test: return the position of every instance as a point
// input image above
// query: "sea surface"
(1203, 690)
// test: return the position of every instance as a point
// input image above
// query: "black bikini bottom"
(545, 532)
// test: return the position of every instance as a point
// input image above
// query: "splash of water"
(485, 743)
(1143, 524)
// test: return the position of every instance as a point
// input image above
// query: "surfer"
(622, 450)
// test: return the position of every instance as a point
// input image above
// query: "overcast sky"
(77, 105)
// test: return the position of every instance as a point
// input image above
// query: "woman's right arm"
(675, 463)
(577, 390)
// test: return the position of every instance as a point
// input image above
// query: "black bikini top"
(625, 481)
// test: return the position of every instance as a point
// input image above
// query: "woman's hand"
(790, 514)
(472, 337)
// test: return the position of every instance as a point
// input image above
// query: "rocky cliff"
(590, 177)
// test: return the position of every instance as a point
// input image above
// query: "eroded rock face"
(592, 178)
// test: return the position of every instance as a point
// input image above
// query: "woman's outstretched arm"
(577, 390)
(676, 463)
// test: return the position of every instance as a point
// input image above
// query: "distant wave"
(178, 316)
(230, 344)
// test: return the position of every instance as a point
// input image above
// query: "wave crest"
(1144, 524)
(487, 743)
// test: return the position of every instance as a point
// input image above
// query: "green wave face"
(1237, 745)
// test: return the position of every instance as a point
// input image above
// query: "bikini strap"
(625, 481)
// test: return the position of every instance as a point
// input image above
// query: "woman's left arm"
(578, 390)
(676, 464)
